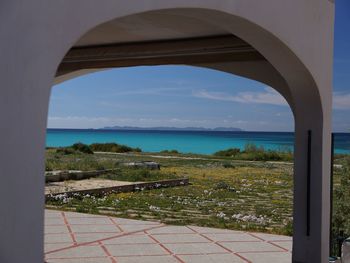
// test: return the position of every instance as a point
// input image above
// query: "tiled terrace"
(77, 238)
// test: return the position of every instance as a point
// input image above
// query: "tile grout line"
(271, 242)
(255, 236)
(220, 245)
(160, 255)
(69, 228)
(268, 242)
(103, 239)
(243, 258)
(122, 233)
(107, 252)
(164, 247)
(115, 224)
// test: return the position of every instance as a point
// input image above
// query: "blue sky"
(182, 96)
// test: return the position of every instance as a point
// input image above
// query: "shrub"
(223, 186)
(137, 175)
(65, 150)
(231, 152)
(82, 148)
(228, 165)
(170, 151)
(341, 204)
(254, 153)
(48, 166)
(252, 148)
(288, 229)
(137, 149)
(77, 147)
(113, 147)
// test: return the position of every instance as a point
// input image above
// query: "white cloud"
(268, 96)
(341, 101)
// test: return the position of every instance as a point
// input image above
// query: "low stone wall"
(125, 188)
(59, 176)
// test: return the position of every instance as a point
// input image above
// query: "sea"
(198, 142)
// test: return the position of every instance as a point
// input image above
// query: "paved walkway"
(82, 238)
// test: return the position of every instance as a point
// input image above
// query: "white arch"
(294, 36)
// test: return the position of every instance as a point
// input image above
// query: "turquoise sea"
(202, 142)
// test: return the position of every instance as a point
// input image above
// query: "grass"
(253, 153)
(341, 203)
(224, 192)
(58, 160)
(138, 175)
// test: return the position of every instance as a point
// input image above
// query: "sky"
(184, 96)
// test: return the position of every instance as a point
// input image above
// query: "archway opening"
(232, 55)
(201, 125)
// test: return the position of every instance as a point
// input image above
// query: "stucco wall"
(295, 37)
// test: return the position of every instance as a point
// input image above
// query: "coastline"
(196, 142)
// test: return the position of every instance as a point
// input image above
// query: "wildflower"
(221, 215)
(251, 218)
(154, 208)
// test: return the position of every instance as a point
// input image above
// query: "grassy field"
(223, 192)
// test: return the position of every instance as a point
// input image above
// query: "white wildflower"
(154, 208)
(221, 215)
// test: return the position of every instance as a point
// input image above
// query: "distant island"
(171, 128)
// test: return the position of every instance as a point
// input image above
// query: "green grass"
(341, 202)
(253, 153)
(137, 175)
(219, 190)
(57, 160)
(223, 192)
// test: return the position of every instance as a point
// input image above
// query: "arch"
(298, 48)
(280, 65)
(291, 78)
